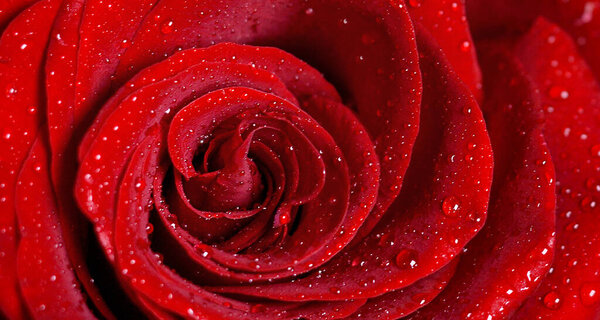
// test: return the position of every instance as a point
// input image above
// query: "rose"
(145, 178)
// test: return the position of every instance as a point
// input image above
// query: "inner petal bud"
(234, 182)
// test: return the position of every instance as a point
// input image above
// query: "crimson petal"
(405, 301)
(447, 22)
(41, 243)
(22, 44)
(571, 97)
(506, 261)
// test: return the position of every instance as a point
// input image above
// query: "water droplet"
(139, 184)
(383, 239)
(166, 27)
(203, 249)
(572, 226)
(406, 259)
(149, 228)
(309, 11)
(595, 151)
(10, 91)
(420, 298)
(587, 203)
(592, 184)
(335, 290)
(589, 293)
(450, 206)
(573, 262)
(465, 46)
(552, 300)
(6, 134)
(284, 218)
(557, 92)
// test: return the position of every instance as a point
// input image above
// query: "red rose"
(360, 159)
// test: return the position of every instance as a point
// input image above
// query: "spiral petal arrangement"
(305, 159)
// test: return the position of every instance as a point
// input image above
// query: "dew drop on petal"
(465, 46)
(595, 151)
(149, 228)
(552, 300)
(589, 293)
(166, 27)
(406, 259)
(284, 218)
(139, 184)
(587, 203)
(6, 134)
(204, 250)
(450, 206)
(556, 92)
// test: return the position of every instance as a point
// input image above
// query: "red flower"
(305, 159)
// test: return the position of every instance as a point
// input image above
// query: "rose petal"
(506, 261)
(10, 9)
(447, 22)
(405, 301)
(571, 100)
(42, 244)
(22, 44)
(514, 17)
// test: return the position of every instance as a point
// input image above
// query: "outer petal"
(43, 263)
(580, 18)
(11, 8)
(403, 302)
(447, 22)
(571, 98)
(506, 261)
(22, 50)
